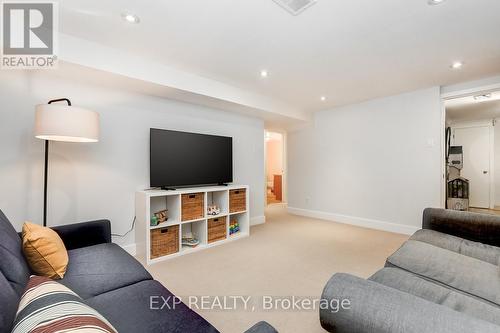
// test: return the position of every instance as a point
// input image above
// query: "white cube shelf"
(151, 201)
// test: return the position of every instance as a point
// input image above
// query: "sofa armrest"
(476, 227)
(84, 234)
(375, 308)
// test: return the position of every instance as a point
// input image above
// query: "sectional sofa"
(105, 276)
(445, 278)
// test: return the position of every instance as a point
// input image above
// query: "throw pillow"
(44, 251)
(49, 307)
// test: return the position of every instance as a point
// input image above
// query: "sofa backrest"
(13, 266)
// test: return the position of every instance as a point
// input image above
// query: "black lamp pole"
(45, 183)
(46, 170)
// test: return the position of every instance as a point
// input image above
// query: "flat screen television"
(188, 159)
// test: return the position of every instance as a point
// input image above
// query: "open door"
(274, 167)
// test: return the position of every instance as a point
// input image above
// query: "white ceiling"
(469, 109)
(109, 80)
(349, 51)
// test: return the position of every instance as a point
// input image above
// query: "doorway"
(275, 166)
(475, 143)
(473, 152)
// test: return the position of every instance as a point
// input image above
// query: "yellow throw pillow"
(44, 250)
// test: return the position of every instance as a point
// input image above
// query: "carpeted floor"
(287, 256)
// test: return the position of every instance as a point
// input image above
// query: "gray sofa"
(445, 278)
(105, 276)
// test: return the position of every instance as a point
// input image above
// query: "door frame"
(489, 123)
(478, 88)
(284, 185)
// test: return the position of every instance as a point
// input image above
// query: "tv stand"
(168, 189)
(222, 184)
(187, 212)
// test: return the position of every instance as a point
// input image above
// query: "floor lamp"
(59, 122)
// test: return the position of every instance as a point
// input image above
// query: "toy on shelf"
(162, 216)
(159, 217)
(189, 240)
(234, 227)
(154, 221)
(213, 210)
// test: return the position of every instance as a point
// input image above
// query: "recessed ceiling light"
(264, 73)
(323, 98)
(435, 2)
(457, 65)
(131, 18)
(481, 98)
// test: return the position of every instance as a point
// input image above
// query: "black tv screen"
(184, 159)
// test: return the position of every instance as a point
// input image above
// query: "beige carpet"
(289, 255)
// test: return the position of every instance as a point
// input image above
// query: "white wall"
(91, 181)
(375, 164)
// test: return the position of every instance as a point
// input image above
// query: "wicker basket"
(217, 229)
(237, 200)
(164, 241)
(192, 206)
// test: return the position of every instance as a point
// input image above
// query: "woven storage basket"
(237, 200)
(217, 229)
(164, 241)
(192, 206)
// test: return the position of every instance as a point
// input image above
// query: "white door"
(476, 147)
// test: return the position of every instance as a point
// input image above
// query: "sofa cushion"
(12, 263)
(466, 247)
(375, 308)
(437, 293)
(9, 300)
(48, 306)
(463, 273)
(44, 251)
(128, 310)
(97, 269)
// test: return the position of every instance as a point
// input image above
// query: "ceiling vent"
(295, 7)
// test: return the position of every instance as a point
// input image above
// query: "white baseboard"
(130, 248)
(353, 220)
(257, 220)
